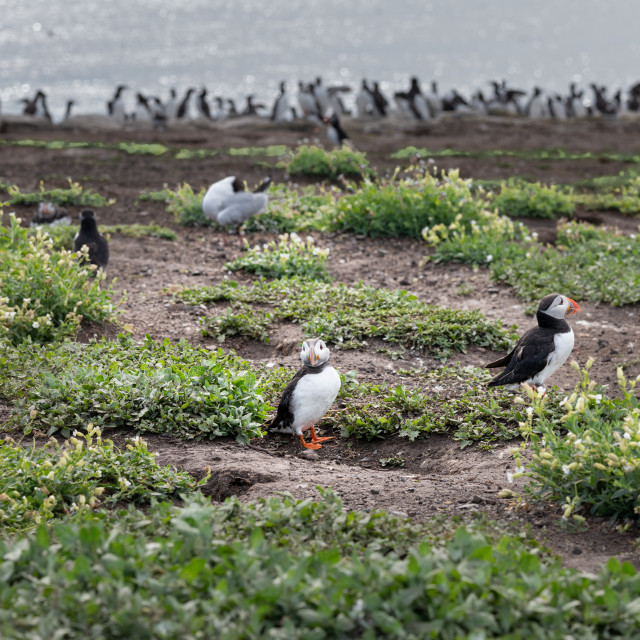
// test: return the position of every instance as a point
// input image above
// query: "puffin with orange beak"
(542, 350)
(309, 395)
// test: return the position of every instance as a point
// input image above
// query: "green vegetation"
(527, 154)
(291, 256)
(593, 462)
(62, 236)
(593, 264)
(446, 401)
(153, 386)
(286, 568)
(347, 316)
(41, 483)
(517, 199)
(186, 206)
(45, 294)
(75, 195)
(318, 163)
(403, 207)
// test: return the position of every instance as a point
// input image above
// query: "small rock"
(399, 514)
(576, 551)
(375, 491)
(309, 454)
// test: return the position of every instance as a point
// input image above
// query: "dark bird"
(227, 203)
(90, 237)
(335, 132)
(115, 106)
(543, 349)
(203, 105)
(252, 108)
(183, 107)
(309, 395)
(280, 109)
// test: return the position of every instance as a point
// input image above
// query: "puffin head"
(558, 306)
(314, 352)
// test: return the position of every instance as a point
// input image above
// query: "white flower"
(565, 469)
(627, 436)
(519, 469)
(529, 411)
(598, 398)
(489, 258)
(509, 476)
(35, 324)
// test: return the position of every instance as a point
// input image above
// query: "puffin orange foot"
(314, 437)
(310, 445)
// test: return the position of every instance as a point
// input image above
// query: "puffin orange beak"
(312, 357)
(574, 307)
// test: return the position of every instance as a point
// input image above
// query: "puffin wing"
(502, 362)
(284, 417)
(241, 207)
(529, 357)
(217, 196)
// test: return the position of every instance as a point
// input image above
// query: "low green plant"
(272, 151)
(593, 462)
(290, 256)
(404, 207)
(301, 210)
(286, 568)
(75, 195)
(526, 154)
(154, 386)
(518, 199)
(41, 483)
(45, 294)
(186, 206)
(318, 163)
(592, 264)
(348, 316)
(447, 400)
(481, 241)
(393, 461)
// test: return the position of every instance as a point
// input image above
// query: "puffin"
(93, 239)
(336, 134)
(227, 203)
(543, 349)
(309, 395)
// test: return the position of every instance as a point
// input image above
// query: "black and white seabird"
(93, 239)
(309, 395)
(336, 134)
(228, 204)
(280, 111)
(542, 350)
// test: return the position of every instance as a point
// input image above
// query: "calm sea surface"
(82, 48)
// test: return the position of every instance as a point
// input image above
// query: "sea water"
(81, 49)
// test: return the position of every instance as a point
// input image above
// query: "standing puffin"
(309, 395)
(336, 134)
(542, 350)
(95, 241)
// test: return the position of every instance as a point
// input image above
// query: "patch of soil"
(437, 476)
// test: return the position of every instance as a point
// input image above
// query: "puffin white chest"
(563, 346)
(313, 396)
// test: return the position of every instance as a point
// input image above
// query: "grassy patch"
(285, 568)
(291, 256)
(347, 316)
(45, 294)
(403, 207)
(186, 206)
(590, 263)
(318, 163)
(41, 483)
(446, 401)
(591, 463)
(75, 195)
(526, 154)
(153, 386)
(519, 199)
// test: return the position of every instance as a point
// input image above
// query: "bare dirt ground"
(438, 476)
